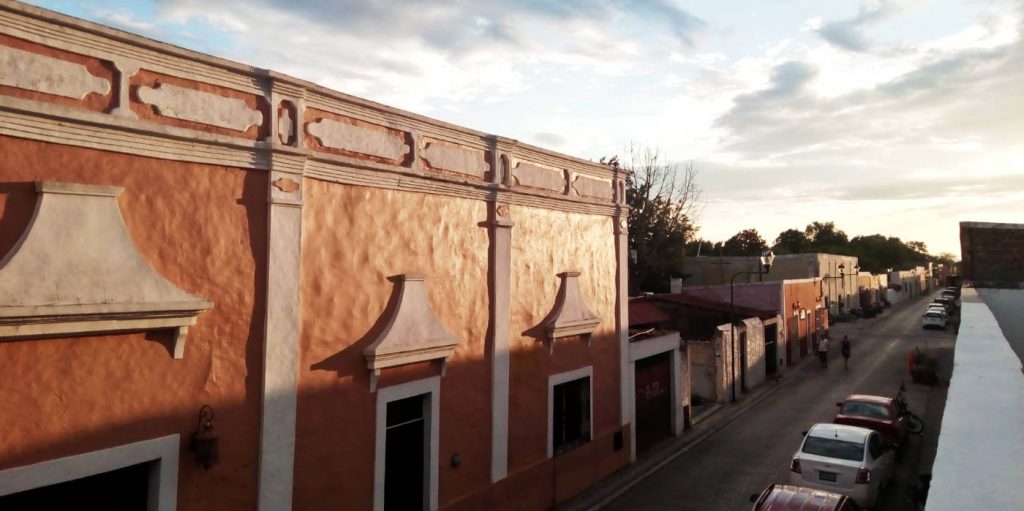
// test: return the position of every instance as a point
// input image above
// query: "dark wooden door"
(653, 400)
(405, 454)
(771, 349)
(794, 337)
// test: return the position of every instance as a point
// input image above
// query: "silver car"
(848, 460)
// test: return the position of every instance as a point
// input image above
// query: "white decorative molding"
(75, 270)
(620, 229)
(202, 107)
(455, 158)
(285, 126)
(341, 135)
(590, 187)
(500, 334)
(281, 334)
(126, 68)
(413, 333)
(570, 315)
(20, 118)
(40, 73)
(162, 453)
(536, 176)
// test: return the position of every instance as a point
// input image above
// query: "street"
(741, 459)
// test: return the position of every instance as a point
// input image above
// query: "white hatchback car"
(849, 460)
(933, 319)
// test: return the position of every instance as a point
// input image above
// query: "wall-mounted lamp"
(204, 440)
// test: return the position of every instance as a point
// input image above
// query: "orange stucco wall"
(545, 243)
(203, 228)
(803, 295)
(354, 238)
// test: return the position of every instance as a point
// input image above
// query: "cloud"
(436, 56)
(848, 34)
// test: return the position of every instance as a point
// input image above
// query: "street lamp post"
(765, 266)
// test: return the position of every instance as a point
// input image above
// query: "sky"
(893, 117)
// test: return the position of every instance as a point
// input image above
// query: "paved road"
(722, 471)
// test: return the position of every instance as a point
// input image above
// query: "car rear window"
(834, 448)
(873, 410)
(934, 315)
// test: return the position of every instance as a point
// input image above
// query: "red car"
(874, 412)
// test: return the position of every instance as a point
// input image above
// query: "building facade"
(838, 274)
(227, 288)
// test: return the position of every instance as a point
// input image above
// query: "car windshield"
(872, 410)
(834, 448)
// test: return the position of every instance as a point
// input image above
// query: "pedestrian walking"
(823, 350)
(845, 347)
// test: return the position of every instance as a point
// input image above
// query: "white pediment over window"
(412, 333)
(76, 271)
(570, 315)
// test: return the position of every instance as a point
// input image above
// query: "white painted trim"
(799, 281)
(648, 348)
(500, 262)
(163, 475)
(556, 379)
(385, 395)
(621, 231)
(653, 346)
(281, 342)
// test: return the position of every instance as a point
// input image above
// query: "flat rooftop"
(981, 445)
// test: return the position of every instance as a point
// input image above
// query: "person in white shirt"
(823, 351)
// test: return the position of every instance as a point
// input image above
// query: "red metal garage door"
(653, 400)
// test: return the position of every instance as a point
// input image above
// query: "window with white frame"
(570, 414)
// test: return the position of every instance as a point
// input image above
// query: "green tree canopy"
(747, 242)
(825, 237)
(791, 241)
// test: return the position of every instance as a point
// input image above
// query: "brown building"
(380, 309)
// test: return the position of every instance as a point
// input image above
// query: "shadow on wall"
(345, 363)
(17, 205)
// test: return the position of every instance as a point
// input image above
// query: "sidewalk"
(646, 464)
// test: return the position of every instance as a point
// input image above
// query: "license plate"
(827, 476)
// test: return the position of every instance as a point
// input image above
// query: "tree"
(791, 241)
(825, 237)
(747, 242)
(877, 253)
(663, 200)
(917, 246)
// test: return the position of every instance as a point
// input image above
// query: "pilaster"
(499, 225)
(281, 337)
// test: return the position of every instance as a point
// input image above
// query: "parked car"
(876, 413)
(850, 460)
(784, 497)
(938, 308)
(934, 319)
